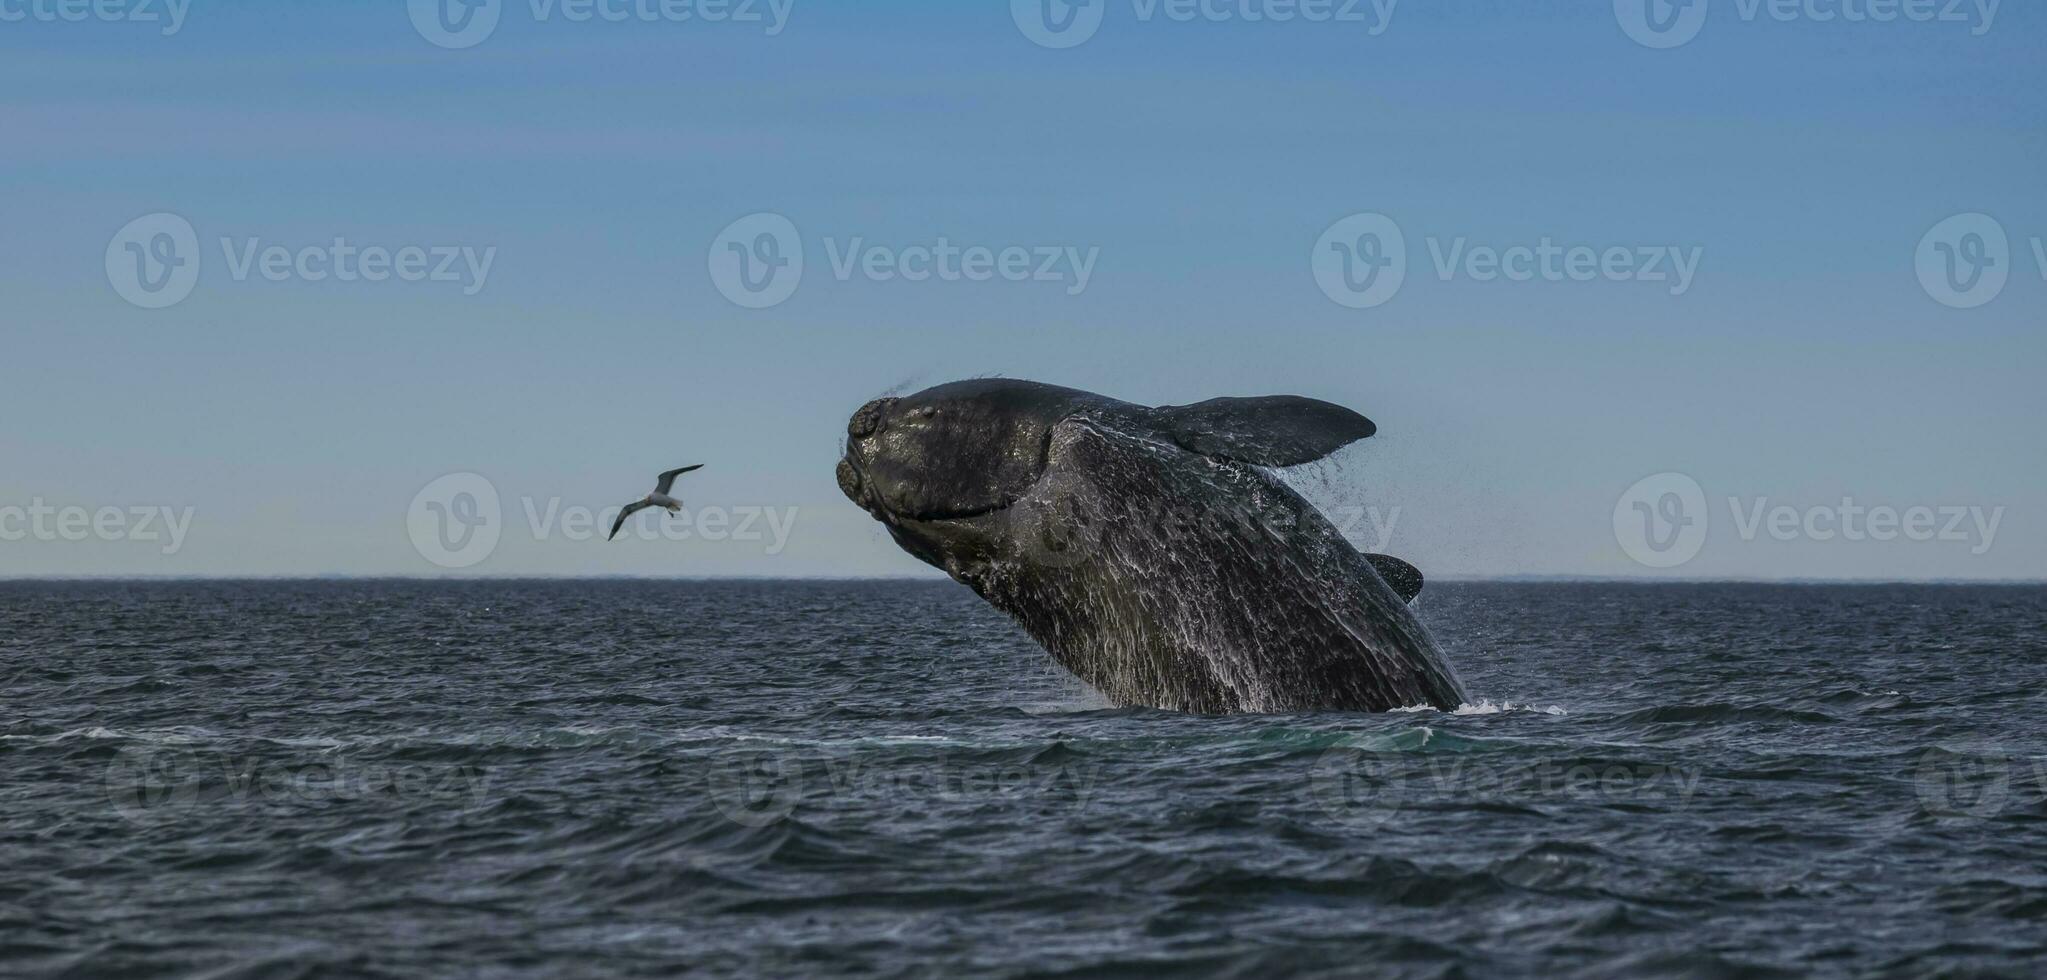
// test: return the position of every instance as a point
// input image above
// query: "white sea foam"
(1486, 706)
(181, 735)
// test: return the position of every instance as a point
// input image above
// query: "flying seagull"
(659, 498)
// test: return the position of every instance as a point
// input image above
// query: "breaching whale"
(1147, 549)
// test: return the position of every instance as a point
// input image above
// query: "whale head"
(943, 468)
(938, 467)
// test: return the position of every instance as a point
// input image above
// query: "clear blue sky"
(298, 420)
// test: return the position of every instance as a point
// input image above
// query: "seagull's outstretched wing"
(668, 478)
(630, 509)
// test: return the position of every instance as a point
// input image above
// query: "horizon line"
(1519, 579)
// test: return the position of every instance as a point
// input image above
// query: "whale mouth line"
(868, 498)
(881, 512)
(963, 515)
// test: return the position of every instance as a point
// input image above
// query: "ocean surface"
(887, 779)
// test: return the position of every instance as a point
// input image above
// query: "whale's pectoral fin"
(1405, 579)
(1278, 430)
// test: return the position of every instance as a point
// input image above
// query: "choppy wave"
(789, 779)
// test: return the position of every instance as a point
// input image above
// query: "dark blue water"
(886, 779)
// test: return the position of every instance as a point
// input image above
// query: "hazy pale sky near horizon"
(1776, 185)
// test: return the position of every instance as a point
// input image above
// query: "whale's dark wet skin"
(1147, 548)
